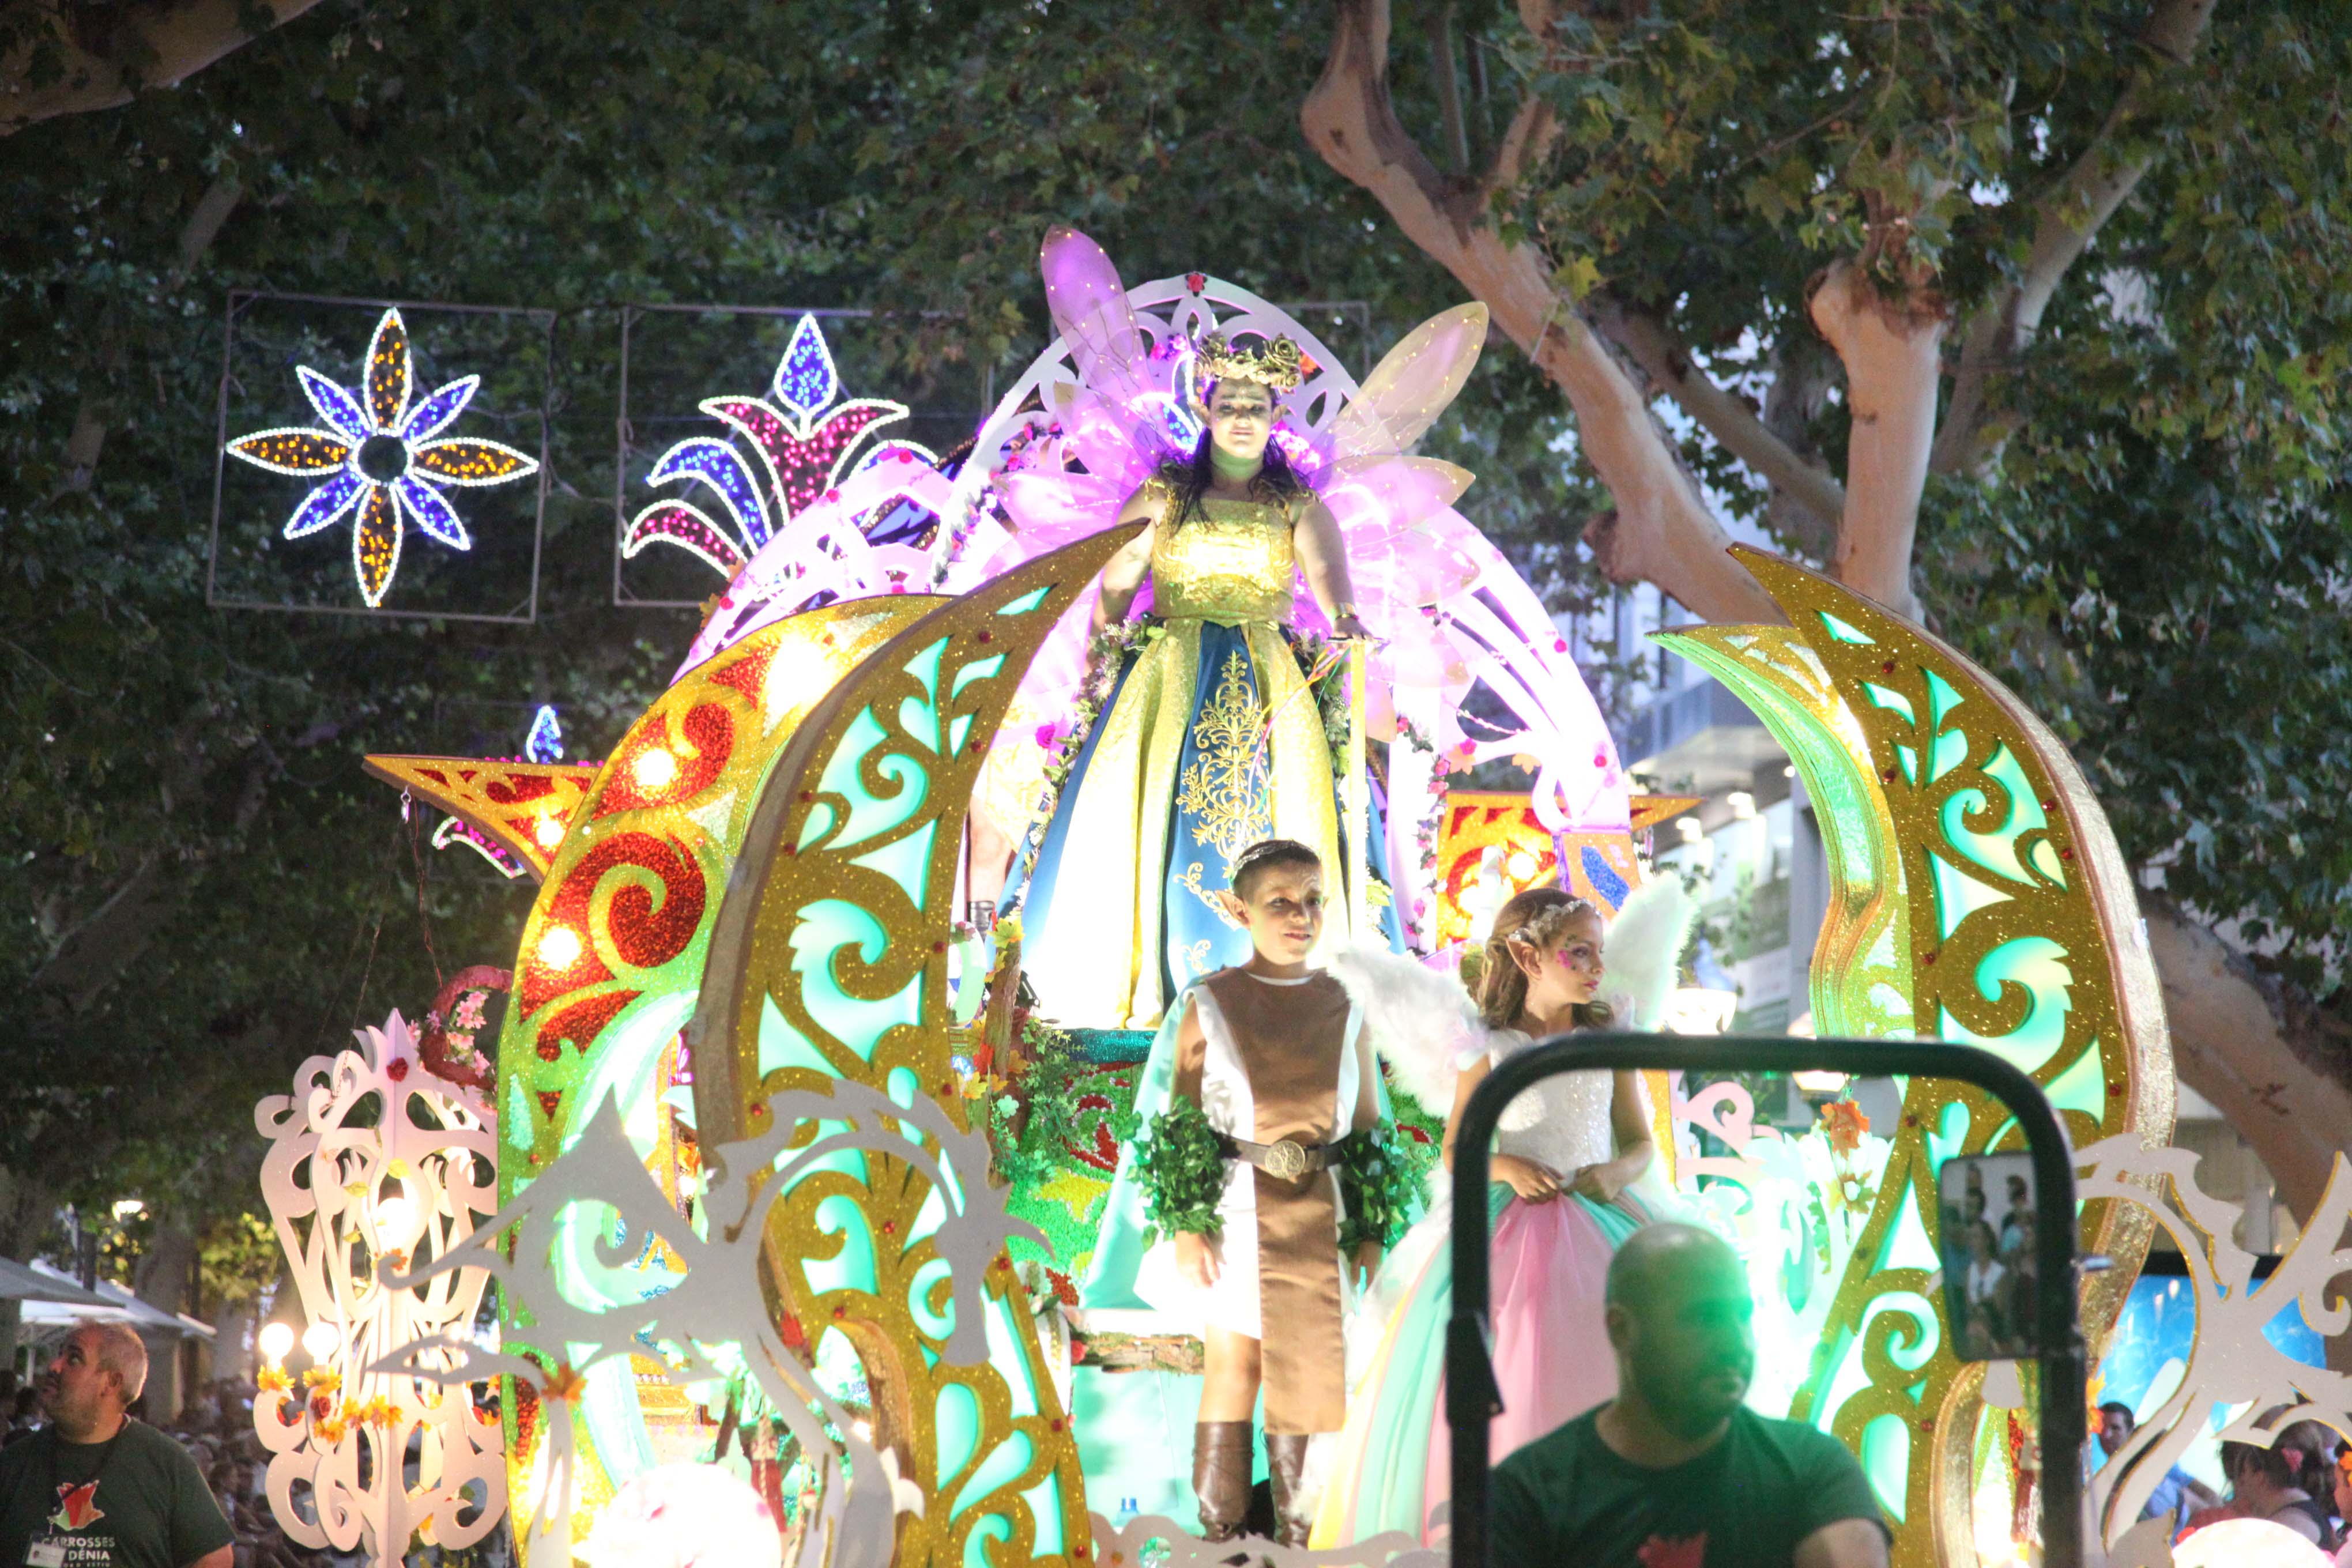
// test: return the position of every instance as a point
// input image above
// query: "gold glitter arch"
(1977, 895)
(828, 962)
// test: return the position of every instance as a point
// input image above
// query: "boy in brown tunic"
(1273, 1107)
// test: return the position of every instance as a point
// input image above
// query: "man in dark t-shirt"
(97, 1489)
(1676, 1472)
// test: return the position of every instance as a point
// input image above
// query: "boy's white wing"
(1419, 1019)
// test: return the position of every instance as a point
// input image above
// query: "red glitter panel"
(710, 742)
(581, 1023)
(749, 673)
(519, 789)
(548, 1100)
(644, 932)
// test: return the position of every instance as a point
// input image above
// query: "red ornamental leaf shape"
(581, 1023)
(1104, 1155)
(1688, 1552)
(710, 740)
(647, 925)
(517, 789)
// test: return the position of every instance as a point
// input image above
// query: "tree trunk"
(1664, 532)
(1891, 354)
(2270, 1061)
(165, 1277)
(27, 1210)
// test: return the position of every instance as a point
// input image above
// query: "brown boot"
(1221, 1476)
(1286, 1466)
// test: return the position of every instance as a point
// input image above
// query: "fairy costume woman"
(1213, 733)
(1212, 738)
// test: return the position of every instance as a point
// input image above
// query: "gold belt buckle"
(1286, 1161)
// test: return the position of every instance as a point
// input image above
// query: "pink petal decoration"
(1089, 306)
(1410, 388)
(1059, 507)
(675, 522)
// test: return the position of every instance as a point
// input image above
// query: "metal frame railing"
(1473, 1399)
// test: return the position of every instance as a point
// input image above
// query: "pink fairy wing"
(1108, 441)
(1406, 569)
(1113, 358)
(1371, 496)
(1420, 652)
(1051, 509)
(1405, 394)
(1089, 307)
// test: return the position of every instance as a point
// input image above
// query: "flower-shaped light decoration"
(378, 458)
(802, 438)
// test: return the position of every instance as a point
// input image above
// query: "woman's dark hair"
(1276, 481)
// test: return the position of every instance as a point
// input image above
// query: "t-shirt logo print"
(1688, 1552)
(76, 1506)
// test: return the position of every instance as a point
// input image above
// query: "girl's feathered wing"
(1641, 953)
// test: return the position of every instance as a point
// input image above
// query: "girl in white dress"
(1569, 1182)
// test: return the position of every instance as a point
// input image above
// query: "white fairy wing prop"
(1419, 1019)
(1641, 953)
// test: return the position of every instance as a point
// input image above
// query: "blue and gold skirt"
(1210, 740)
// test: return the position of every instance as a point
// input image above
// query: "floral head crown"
(1278, 365)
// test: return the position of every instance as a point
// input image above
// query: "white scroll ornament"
(373, 1159)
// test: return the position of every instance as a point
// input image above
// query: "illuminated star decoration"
(802, 438)
(378, 458)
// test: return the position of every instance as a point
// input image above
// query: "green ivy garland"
(1049, 1088)
(1376, 1189)
(1181, 1171)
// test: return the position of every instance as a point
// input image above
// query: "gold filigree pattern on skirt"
(1223, 788)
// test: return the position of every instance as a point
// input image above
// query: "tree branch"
(1526, 140)
(2066, 218)
(1449, 88)
(153, 46)
(1893, 359)
(196, 236)
(1662, 532)
(1667, 362)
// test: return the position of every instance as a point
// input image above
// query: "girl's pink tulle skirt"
(1552, 1358)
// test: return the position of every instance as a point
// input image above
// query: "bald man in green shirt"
(1676, 1472)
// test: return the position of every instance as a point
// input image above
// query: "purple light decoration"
(674, 523)
(806, 380)
(545, 741)
(720, 466)
(805, 446)
(454, 831)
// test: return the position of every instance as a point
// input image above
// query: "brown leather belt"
(1287, 1161)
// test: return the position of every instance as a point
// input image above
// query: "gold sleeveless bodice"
(1233, 566)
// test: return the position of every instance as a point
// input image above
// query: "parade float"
(795, 1173)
